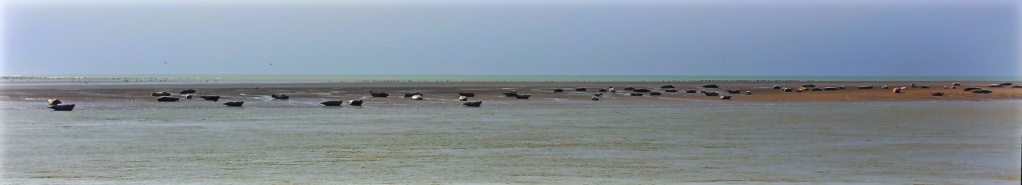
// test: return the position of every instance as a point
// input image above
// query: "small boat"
(188, 91)
(580, 89)
(635, 94)
(167, 99)
(355, 102)
(473, 104)
(667, 86)
(378, 94)
(65, 107)
(523, 96)
(333, 103)
(467, 94)
(725, 97)
(280, 96)
(711, 93)
(161, 94)
(462, 98)
(234, 103)
(711, 86)
(53, 102)
(210, 98)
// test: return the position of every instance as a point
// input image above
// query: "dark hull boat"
(467, 94)
(234, 103)
(332, 103)
(355, 102)
(168, 98)
(210, 98)
(66, 107)
(473, 104)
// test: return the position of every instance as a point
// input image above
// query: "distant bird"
(355, 102)
(234, 103)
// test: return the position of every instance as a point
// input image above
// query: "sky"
(698, 38)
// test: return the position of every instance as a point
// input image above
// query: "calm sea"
(969, 142)
(120, 78)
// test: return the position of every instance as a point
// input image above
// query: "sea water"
(967, 142)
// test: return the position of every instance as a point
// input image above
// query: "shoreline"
(542, 92)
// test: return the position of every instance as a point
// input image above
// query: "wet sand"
(121, 135)
(491, 91)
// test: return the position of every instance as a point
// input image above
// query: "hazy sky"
(780, 38)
